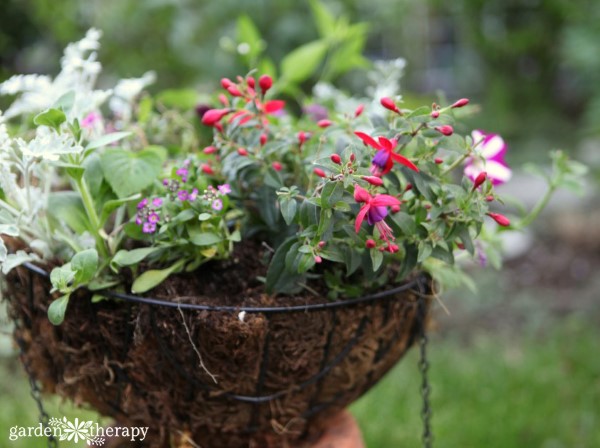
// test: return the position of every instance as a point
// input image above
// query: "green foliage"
(128, 173)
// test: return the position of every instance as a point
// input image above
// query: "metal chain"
(35, 391)
(424, 367)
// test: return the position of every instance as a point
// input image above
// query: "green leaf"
(61, 277)
(405, 222)
(65, 102)
(52, 118)
(205, 239)
(442, 254)
(204, 216)
(85, 264)
(332, 254)
(67, 207)
(106, 140)
(376, 258)
(154, 277)
(275, 274)
(331, 194)
(131, 257)
(301, 63)
(57, 310)
(324, 20)
(247, 33)
(185, 99)
(184, 216)
(129, 173)
(288, 208)
(465, 237)
(110, 206)
(409, 262)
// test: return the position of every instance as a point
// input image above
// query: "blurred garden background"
(516, 362)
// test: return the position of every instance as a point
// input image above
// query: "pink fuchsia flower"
(385, 157)
(489, 152)
(375, 209)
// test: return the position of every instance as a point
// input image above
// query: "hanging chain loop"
(424, 368)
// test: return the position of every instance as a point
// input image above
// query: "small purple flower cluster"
(211, 195)
(173, 185)
(147, 215)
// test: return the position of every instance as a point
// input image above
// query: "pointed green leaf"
(154, 277)
(52, 118)
(107, 139)
(301, 63)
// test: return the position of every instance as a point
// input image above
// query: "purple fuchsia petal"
(376, 214)
(381, 158)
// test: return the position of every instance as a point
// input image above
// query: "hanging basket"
(264, 375)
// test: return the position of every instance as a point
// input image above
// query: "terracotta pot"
(271, 377)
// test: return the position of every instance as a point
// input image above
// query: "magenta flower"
(149, 227)
(224, 189)
(385, 157)
(142, 203)
(375, 209)
(489, 157)
(193, 195)
(90, 120)
(153, 218)
(157, 202)
(217, 205)
(182, 195)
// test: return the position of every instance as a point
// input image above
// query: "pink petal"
(360, 217)
(367, 140)
(385, 143)
(492, 146)
(404, 161)
(384, 199)
(273, 106)
(360, 194)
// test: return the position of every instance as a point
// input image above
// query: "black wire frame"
(419, 285)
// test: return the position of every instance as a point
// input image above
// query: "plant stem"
(533, 214)
(90, 210)
(457, 162)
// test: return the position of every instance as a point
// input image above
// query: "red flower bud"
(234, 91)
(265, 82)
(324, 123)
(335, 158)
(460, 103)
(223, 100)
(242, 151)
(489, 198)
(322, 244)
(250, 81)
(438, 160)
(388, 103)
(460, 245)
(408, 187)
(373, 180)
(370, 244)
(395, 208)
(263, 139)
(392, 248)
(276, 166)
(359, 110)
(319, 172)
(211, 117)
(427, 206)
(302, 137)
(206, 169)
(500, 219)
(445, 129)
(435, 113)
(318, 259)
(352, 157)
(209, 150)
(481, 177)
(226, 83)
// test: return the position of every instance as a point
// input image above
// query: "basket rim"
(416, 285)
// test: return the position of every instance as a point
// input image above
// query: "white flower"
(125, 92)
(76, 431)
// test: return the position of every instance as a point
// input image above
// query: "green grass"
(538, 390)
(490, 389)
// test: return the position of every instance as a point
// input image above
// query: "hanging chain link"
(424, 367)
(35, 391)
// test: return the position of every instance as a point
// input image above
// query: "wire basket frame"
(330, 357)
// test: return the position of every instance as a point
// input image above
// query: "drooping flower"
(375, 209)
(385, 157)
(489, 152)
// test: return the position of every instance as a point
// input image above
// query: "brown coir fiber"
(153, 366)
